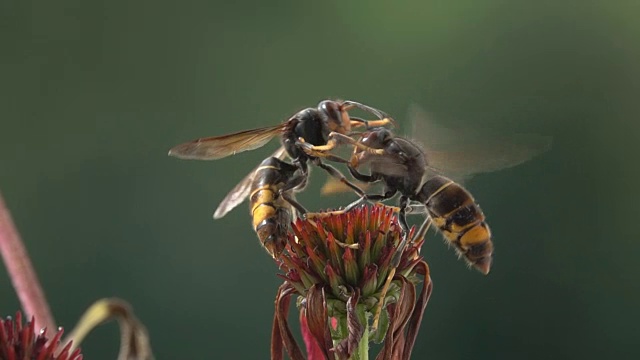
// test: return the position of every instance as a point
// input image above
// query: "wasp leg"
(342, 139)
(299, 208)
(363, 198)
(371, 198)
(362, 177)
(352, 205)
(402, 219)
(414, 209)
(338, 175)
(321, 154)
(301, 163)
(338, 212)
(335, 158)
(298, 181)
(422, 232)
(380, 197)
(335, 138)
(321, 151)
(357, 122)
(316, 149)
(368, 124)
(348, 105)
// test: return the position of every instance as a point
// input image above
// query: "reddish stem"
(21, 272)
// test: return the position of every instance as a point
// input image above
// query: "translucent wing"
(385, 164)
(460, 154)
(457, 153)
(240, 192)
(217, 147)
(335, 186)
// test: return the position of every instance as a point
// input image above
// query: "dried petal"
(134, 340)
(315, 312)
(314, 351)
(355, 329)
(399, 314)
(418, 312)
(284, 335)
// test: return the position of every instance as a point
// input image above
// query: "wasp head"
(373, 139)
(376, 138)
(335, 116)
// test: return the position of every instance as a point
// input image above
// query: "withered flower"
(21, 342)
(337, 265)
(18, 342)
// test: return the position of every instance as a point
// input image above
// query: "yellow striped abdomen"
(461, 221)
(262, 205)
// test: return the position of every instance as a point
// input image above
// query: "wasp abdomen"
(270, 215)
(461, 221)
(270, 221)
(262, 205)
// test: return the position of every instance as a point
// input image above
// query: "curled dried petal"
(418, 311)
(346, 347)
(317, 318)
(283, 300)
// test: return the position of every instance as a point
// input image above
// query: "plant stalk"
(21, 272)
(362, 352)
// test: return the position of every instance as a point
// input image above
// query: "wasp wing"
(335, 186)
(460, 154)
(217, 147)
(387, 164)
(240, 192)
(456, 153)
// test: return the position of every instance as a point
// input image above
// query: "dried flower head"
(21, 342)
(337, 264)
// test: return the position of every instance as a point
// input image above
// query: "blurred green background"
(93, 94)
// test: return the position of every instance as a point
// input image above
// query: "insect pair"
(401, 165)
(272, 185)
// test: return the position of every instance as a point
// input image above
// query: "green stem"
(362, 352)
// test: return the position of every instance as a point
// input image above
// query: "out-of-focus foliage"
(93, 94)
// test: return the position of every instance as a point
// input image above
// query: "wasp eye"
(383, 134)
(331, 110)
(329, 106)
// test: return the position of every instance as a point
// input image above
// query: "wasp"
(274, 181)
(405, 167)
(416, 173)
